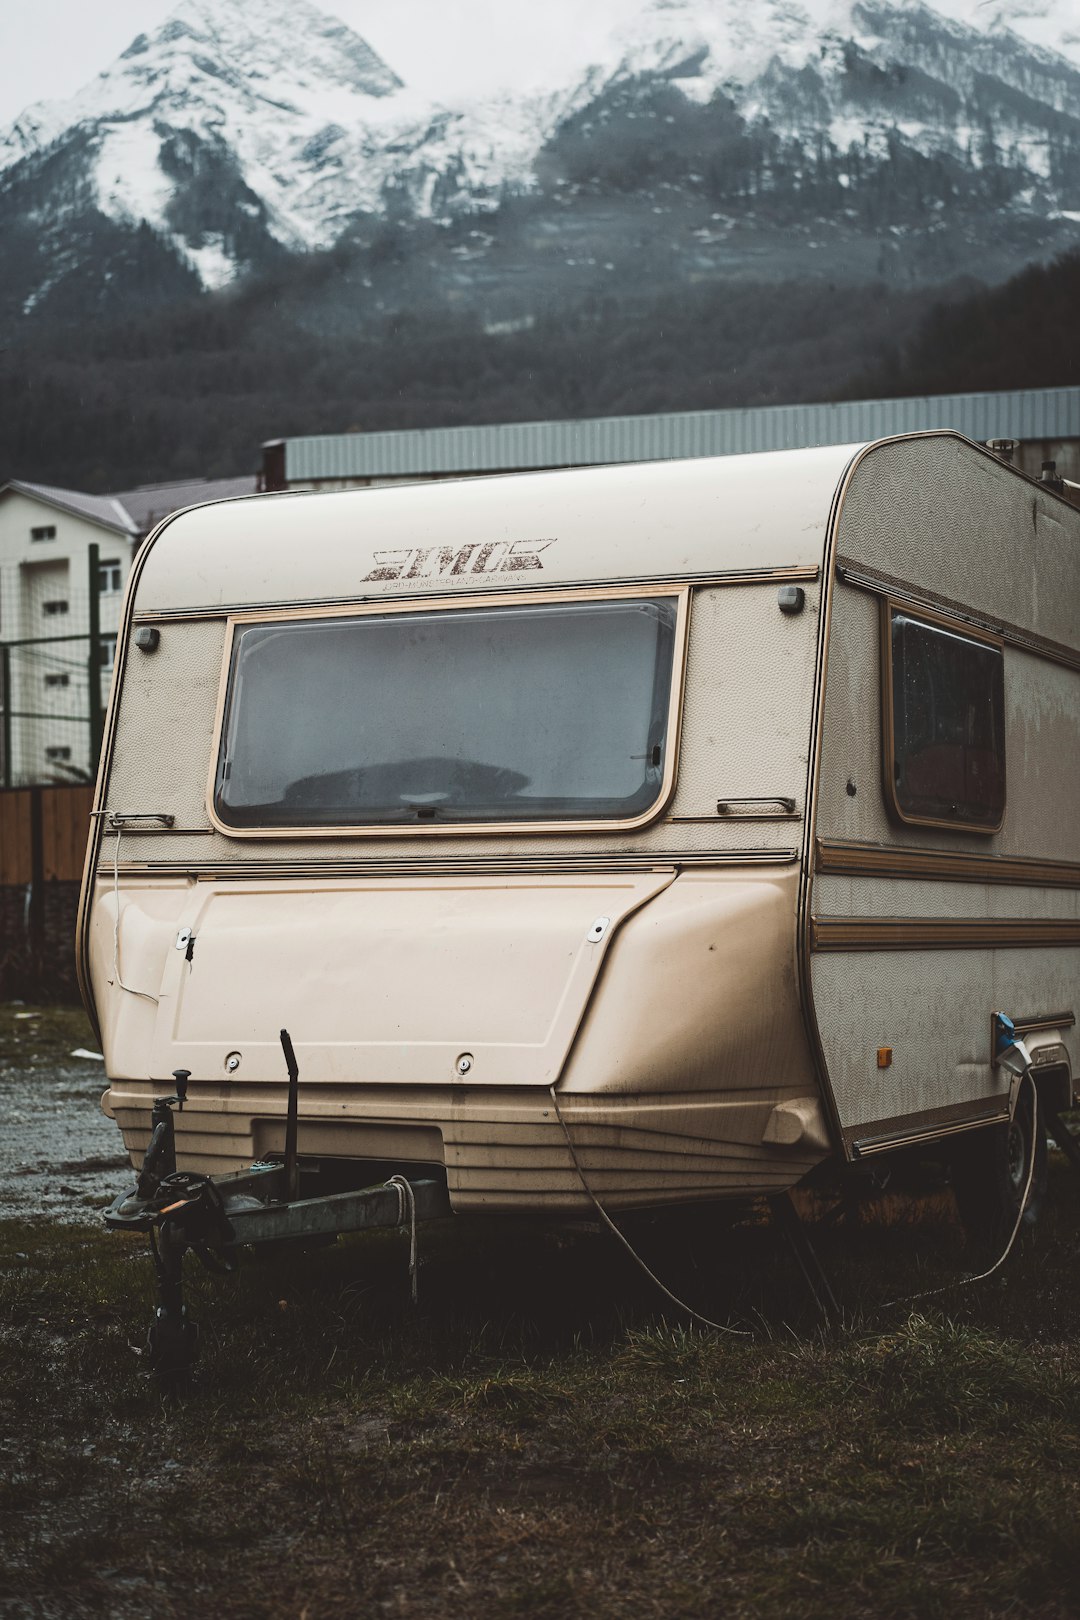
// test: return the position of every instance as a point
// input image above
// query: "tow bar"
(216, 1216)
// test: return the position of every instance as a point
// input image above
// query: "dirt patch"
(60, 1157)
(537, 1439)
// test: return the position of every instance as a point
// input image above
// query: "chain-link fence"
(58, 622)
(57, 648)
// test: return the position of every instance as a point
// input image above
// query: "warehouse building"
(1043, 425)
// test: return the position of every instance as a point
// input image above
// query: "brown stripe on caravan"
(449, 866)
(853, 859)
(863, 577)
(878, 1135)
(1032, 1026)
(940, 933)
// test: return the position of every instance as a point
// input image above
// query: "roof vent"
(1004, 449)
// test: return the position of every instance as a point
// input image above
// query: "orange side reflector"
(884, 1057)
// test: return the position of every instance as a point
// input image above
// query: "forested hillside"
(196, 389)
(1024, 334)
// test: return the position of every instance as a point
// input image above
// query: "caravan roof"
(670, 519)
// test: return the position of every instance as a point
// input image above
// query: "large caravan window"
(532, 712)
(945, 716)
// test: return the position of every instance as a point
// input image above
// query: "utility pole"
(93, 663)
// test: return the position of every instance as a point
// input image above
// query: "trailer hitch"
(216, 1216)
(193, 1218)
(159, 1160)
(180, 1211)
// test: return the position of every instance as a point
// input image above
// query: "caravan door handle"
(727, 807)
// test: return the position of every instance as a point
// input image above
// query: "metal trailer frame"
(215, 1217)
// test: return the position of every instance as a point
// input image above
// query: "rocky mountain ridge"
(243, 136)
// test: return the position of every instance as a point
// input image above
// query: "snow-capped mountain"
(252, 91)
(743, 40)
(291, 111)
(861, 69)
(1054, 25)
(241, 132)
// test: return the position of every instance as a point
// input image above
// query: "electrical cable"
(116, 924)
(965, 1282)
(407, 1207)
(706, 1321)
(905, 1299)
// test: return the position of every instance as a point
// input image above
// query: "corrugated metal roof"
(1043, 413)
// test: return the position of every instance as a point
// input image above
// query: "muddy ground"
(60, 1158)
(541, 1437)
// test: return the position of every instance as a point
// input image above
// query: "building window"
(107, 654)
(110, 577)
(59, 753)
(944, 724)
(51, 609)
(45, 531)
(58, 680)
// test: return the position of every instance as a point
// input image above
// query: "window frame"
(110, 569)
(891, 605)
(679, 594)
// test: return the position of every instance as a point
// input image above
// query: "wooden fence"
(43, 832)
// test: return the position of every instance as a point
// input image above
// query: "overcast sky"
(442, 48)
(439, 46)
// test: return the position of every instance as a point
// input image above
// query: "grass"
(538, 1439)
(535, 1440)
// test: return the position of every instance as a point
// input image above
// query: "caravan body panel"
(767, 923)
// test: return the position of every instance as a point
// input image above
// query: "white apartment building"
(46, 541)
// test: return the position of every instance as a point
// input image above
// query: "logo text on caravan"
(435, 562)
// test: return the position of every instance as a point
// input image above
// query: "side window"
(944, 724)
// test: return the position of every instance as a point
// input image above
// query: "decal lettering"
(482, 562)
(437, 562)
(388, 565)
(524, 555)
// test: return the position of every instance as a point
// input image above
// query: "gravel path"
(60, 1158)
